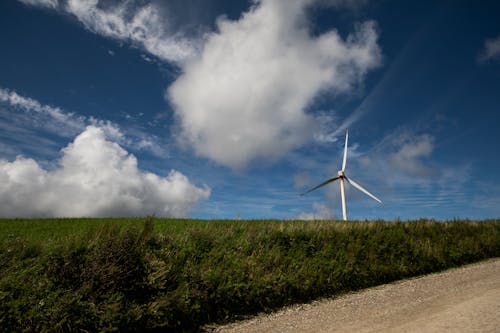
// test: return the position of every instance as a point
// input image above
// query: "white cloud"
(244, 98)
(67, 124)
(320, 212)
(245, 88)
(95, 177)
(411, 151)
(146, 26)
(491, 50)
(401, 157)
(53, 118)
(326, 120)
(301, 180)
(41, 3)
(403, 171)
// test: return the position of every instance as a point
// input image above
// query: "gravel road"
(465, 299)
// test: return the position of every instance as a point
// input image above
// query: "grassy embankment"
(177, 275)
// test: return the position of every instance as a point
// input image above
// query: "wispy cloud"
(25, 112)
(143, 25)
(403, 170)
(95, 177)
(411, 150)
(320, 212)
(402, 156)
(390, 84)
(61, 122)
(42, 3)
(326, 120)
(491, 50)
(301, 180)
(402, 165)
(486, 199)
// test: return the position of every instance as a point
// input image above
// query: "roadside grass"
(179, 274)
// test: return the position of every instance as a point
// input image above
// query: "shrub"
(179, 275)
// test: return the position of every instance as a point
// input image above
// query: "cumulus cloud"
(491, 50)
(95, 177)
(320, 212)
(245, 88)
(245, 97)
(143, 25)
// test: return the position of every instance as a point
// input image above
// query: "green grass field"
(179, 274)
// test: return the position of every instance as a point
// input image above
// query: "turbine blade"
(359, 187)
(322, 184)
(345, 150)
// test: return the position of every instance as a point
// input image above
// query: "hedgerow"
(181, 275)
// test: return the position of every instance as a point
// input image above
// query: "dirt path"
(466, 299)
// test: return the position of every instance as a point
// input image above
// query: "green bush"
(178, 275)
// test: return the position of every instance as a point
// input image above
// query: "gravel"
(465, 299)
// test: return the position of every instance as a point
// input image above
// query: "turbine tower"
(342, 177)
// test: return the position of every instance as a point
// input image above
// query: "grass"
(178, 275)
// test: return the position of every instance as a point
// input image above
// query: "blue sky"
(224, 109)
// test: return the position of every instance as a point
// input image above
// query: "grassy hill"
(177, 275)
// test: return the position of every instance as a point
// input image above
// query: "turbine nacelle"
(341, 173)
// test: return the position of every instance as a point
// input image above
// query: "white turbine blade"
(345, 150)
(359, 187)
(322, 184)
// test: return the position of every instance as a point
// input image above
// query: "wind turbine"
(342, 177)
